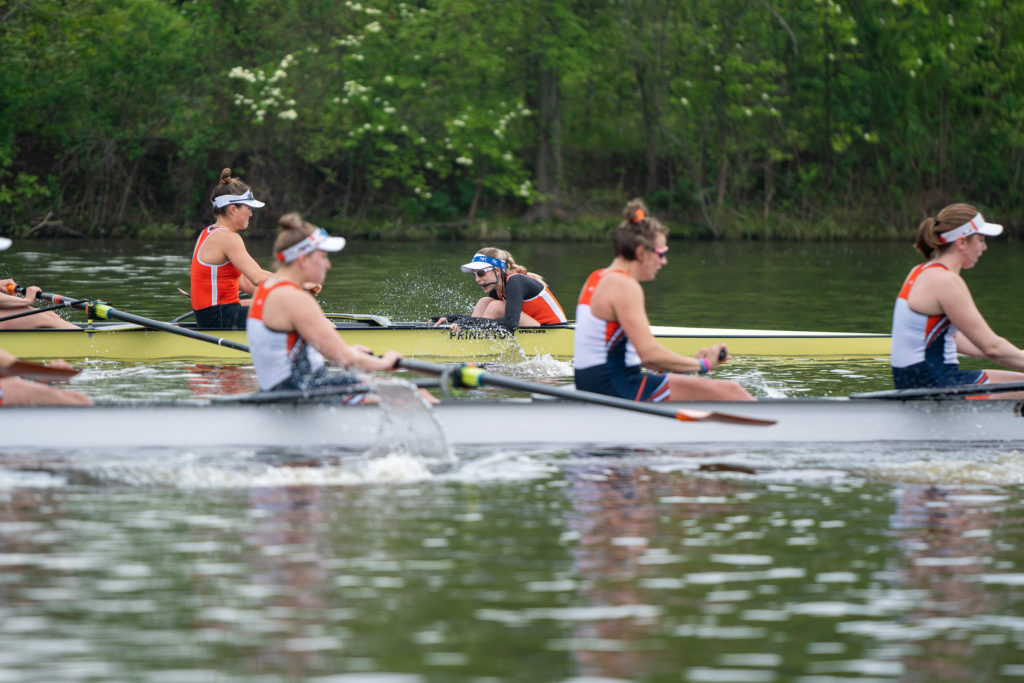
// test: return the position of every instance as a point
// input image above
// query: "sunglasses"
(661, 253)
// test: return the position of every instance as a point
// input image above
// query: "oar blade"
(687, 415)
(38, 371)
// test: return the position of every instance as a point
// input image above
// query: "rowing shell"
(485, 423)
(128, 342)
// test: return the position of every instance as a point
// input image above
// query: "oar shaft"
(105, 311)
(470, 376)
(943, 392)
(35, 311)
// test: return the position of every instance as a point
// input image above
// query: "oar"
(470, 376)
(38, 371)
(44, 309)
(943, 392)
(104, 311)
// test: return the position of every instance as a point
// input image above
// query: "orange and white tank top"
(212, 284)
(276, 356)
(542, 306)
(917, 337)
(595, 338)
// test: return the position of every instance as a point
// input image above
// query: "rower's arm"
(8, 301)
(11, 301)
(235, 251)
(629, 308)
(246, 285)
(515, 293)
(975, 337)
(309, 321)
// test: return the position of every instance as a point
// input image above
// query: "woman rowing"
(220, 263)
(18, 313)
(15, 391)
(935, 316)
(613, 340)
(513, 297)
(290, 338)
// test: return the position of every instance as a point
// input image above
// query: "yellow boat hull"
(127, 342)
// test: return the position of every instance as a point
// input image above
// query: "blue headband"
(480, 258)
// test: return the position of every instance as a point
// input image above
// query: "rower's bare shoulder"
(618, 280)
(937, 279)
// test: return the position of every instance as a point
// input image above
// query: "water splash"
(754, 381)
(433, 297)
(541, 366)
(246, 469)
(998, 469)
(408, 426)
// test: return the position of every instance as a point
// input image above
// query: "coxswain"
(513, 296)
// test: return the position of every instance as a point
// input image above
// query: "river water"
(740, 565)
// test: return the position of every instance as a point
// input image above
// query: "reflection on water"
(509, 566)
(416, 563)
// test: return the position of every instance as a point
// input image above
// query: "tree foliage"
(734, 118)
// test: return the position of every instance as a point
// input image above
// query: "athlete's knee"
(495, 309)
(731, 391)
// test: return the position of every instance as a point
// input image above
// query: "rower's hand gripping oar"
(470, 376)
(99, 309)
(35, 311)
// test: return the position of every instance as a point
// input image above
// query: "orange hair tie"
(638, 215)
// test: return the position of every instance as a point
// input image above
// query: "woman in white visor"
(935, 317)
(221, 265)
(512, 296)
(290, 338)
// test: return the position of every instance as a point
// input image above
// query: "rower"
(513, 297)
(935, 316)
(23, 392)
(16, 391)
(290, 338)
(18, 313)
(614, 342)
(221, 265)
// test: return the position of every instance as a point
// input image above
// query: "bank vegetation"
(763, 119)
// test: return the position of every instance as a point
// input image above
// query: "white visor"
(319, 240)
(5, 243)
(481, 262)
(975, 225)
(223, 200)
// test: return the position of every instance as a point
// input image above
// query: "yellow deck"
(126, 342)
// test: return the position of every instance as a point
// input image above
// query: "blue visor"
(481, 262)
